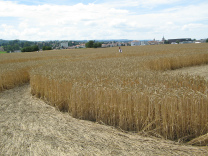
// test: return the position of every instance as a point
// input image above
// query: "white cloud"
(100, 21)
(138, 3)
(193, 26)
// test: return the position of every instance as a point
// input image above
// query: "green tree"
(97, 44)
(9, 48)
(35, 48)
(166, 42)
(207, 40)
(30, 48)
(93, 44)
(89, 44)
(47, 48)
(16, 46)
(26, 44)
(26, 49)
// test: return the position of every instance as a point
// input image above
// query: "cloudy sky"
(106, 19)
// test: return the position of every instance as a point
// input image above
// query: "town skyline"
(23, 45)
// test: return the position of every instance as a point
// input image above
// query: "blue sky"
(106, 19)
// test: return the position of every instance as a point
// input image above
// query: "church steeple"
(163, 39)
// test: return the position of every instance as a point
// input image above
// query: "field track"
(28, 126)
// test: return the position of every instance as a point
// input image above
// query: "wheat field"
(128, 90)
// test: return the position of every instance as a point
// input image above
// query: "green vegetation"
(166, 42)
(2, 52)
(207, 41)
(177, 41)
(93, 44)
(30, 48)
(73, 43)
(11, 46)
(47, 48)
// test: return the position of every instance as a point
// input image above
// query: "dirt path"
(28, 126)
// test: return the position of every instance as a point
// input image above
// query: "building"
(144, 42)
(111, 44)
(186, 42)
(178, 40)
(64, 45)
(17, 51)
(163, 39)
(154, 42)
(107, 45)
(81, 46)
(135, 43)
(203, 40)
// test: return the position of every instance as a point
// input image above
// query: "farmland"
(133, 91)
(29, 126)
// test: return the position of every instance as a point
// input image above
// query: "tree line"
(25, 46)
(30, 48)
(22, 45)
(93, 44)
(34, 48)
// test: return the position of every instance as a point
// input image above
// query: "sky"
(40, 20)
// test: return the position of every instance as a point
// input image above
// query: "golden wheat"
(118, 92)
(127, 90)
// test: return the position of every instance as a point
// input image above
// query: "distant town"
(11, 46)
